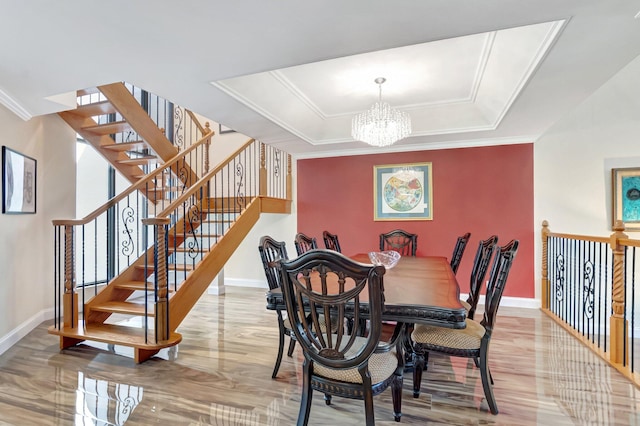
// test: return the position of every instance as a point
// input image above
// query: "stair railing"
(591, 287)
(85, 255)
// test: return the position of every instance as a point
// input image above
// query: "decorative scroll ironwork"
(193, 219)
(178, 134)
(183, 175)
(128, 244)
(588, 298)
(276, 164)
(559, 281)
(241, 202)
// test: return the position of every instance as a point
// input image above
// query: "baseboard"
(23, 329)
(513, 302)
(240, 282)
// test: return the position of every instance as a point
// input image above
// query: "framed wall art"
(403, 192)
(18, 182)
(626, 197)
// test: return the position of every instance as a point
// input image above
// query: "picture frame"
(403, 192)
(19, 179)
(222, 129)
(625, 196)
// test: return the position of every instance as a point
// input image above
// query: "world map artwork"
(402, 192)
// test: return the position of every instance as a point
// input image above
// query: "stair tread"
(126, 308)
(145, 159)
(96, 108)
(138, 286)
(87, 91)
(172, 267)
(108, 128)
(126, 146)
(116, 334)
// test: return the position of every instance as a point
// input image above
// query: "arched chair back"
(331, 241)
(272, 253)
(458, 251)
(325, 281)
(474, 340)
(479, 272)
(401, 241)
(304, 243)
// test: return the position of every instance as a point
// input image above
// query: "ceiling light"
(381, 125)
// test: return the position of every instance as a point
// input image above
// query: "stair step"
(126, 146)
(171, 267)
(116, 334)
(109, 128)
(96, 108)
(126, 308)
(87, 91)
(140, 161)
(137, 286)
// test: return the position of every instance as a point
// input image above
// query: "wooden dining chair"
(478, 273)
(401, 241)
(458, 251)
(272, 252)
(340, 363)
(331, 241)
(304, 243)
(472, 341)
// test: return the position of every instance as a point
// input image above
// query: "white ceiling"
(292, 73)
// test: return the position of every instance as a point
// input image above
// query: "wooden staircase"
(194, 236)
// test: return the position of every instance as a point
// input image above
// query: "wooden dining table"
(416, 290)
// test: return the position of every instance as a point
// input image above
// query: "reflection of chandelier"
(381, 125)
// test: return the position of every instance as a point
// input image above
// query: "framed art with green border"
(402, 192)
(626, 197)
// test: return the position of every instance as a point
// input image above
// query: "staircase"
(169, 234)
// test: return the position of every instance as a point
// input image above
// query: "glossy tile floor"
(221, 375)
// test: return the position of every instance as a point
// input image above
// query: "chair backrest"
(497, 280)
(271, 253)
(331, 241)
(304, 243)
(458, 251)
(479, 271)
(401, 241)
(329, 283)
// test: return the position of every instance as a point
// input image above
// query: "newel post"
(70, 298)
(263, 170)
(545, 265)
(618, 323)
(161, 307)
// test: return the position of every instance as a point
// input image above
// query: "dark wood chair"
(478, 273)
(304, 243)
(272, 252)
(340, 363)
(331, 241)
(458, 251)
(401, 241)
(472, 341)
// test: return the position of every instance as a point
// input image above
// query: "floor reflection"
(99, 402)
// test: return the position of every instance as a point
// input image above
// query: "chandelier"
(381, 125)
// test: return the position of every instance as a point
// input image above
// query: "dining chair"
(331, 241)
(272, 252)
(304, 243)
(339, 363)
(401, 241)
(478, 273)
(472, 341)
(458, 251)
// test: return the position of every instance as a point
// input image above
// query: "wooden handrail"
(203, 129)
(136, 186)
(195, 187)
(580, 237)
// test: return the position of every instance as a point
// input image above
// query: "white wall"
(574, 158)
(26, 246)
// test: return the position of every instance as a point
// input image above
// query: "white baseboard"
(23, 329)
(241, 282)
(514, 302)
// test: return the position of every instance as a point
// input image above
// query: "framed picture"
(224, 129)
(626, 197)
(18, 182)
(402, 192)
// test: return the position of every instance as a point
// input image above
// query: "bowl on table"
(388, 259)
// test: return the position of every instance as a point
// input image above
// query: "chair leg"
(487, 380)
(280, 350)
(419, 361)
(396, 396)
(292, 346)
(368, 402)
(327, 399)
(307, 394)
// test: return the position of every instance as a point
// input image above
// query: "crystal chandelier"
(381, 125)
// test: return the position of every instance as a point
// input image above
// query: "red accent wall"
(485, 191)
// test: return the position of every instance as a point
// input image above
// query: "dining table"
(416, 290)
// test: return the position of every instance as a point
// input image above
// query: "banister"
(204, 130)
(136, 186)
